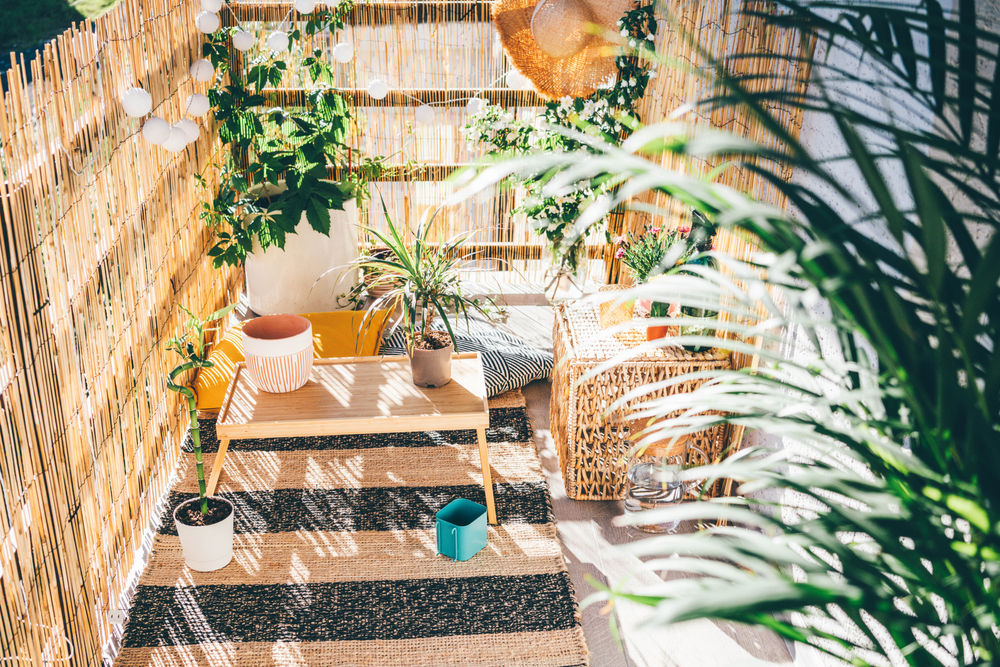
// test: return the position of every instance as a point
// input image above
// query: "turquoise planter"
(461, 529)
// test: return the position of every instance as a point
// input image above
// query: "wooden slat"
(374, 13)
(414, 97)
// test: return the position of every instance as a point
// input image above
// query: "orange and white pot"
(279, 352)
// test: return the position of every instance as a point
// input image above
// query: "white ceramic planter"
(206, 548)
(310, 272)
(279, 352)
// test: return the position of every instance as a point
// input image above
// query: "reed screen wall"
(100, 243)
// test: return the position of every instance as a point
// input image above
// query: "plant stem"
(195, 428)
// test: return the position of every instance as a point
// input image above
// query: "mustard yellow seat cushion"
(338, 334)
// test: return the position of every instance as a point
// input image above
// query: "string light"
(474, 105)
(211, 5)
(243, 40)
(207, 22)
(156, 130)
(136, 102)
(516, 80)
(197, 104)
(277, 41)
(202, 70)
(190, 129)
(378, 89)
(343, 53)
(176, 141)
(424, 114)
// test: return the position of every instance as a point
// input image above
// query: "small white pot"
(279, 352)
(206, 548)
(309, 274)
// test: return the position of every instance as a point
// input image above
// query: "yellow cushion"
(338, 334)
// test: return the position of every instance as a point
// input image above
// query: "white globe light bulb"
(156, 130)
(176, 141)
(277, 41)
(424, 114)
(136, 102)
(207, 22)
(190, 129)
(515, 79)
(211, 5)
(197, 105)
(378, 89)
(243, 40)
(305, 6)
(474, 105)
(202, 70)
(343, 53)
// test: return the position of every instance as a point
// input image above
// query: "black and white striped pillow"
(508, 362)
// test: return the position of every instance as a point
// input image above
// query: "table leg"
(220, 458)
(484, 457)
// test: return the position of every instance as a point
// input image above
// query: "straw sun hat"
(550, 43)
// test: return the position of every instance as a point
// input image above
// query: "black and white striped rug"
(335, 560)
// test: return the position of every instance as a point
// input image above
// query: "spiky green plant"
(422, 278)
(885, 545)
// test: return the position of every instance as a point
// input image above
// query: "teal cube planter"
(461, 529)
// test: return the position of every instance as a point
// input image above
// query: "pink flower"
(684, 229)
(618, 239)
(654, 230)
(620, 253)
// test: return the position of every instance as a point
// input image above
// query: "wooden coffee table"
(355, 396)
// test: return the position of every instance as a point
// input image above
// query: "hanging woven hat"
(550, 43)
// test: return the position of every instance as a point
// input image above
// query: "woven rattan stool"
(593, 447)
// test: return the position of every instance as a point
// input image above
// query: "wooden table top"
(357, 395)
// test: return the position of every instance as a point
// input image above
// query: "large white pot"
(206, 548)
(309, 274)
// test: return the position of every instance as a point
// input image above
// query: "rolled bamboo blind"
(101, 241)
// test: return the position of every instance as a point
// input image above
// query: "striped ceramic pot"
(279, 352)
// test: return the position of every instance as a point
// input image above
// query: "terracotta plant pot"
(658, 310)
(279, 352)
(431, 368)
(206, 548)
(656, 332)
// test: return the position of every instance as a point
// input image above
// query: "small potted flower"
(204, 525)
(421, 278)
(649, 254)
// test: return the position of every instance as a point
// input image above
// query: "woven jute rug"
(335, 559)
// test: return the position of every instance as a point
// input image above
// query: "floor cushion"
(508, 362)
(343, 333)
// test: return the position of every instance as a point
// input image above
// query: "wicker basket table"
(591, 444)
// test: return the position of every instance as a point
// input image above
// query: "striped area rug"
(335, 560)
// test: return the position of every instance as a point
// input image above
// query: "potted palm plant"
(204, 525)
(422, 279)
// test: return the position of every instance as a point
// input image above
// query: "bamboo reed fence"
(442, 52)
(101, 241)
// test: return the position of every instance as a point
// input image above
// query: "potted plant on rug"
(204, 524)
(422, 280)
(647, 255)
